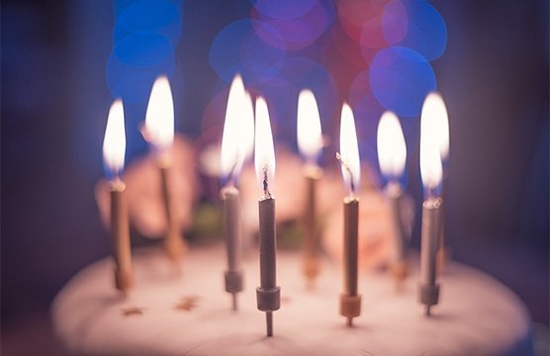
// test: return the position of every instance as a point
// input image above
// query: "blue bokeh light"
(133, 83)
(281, 93)
(160, 16)
(238, 48)
(143, 49)
(304, 30)
(283, 9)
(400, 79)
(426, 31)
(367, 113)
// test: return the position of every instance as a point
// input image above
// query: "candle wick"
(267, 194)
(346, 167)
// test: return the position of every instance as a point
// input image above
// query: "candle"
(310, 143)
(159, 131)
(392, 154)
(435, 111)
(268, 294)
(114, 146)
(431, 172)
(237, 142)
(350, 300)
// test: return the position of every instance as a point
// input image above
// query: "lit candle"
(268, 294)
(310, 143)
(392, 154)
(431, 172)
(114, 147)
(435, 111)
(350, 300)
(237, 142)
(159, 131)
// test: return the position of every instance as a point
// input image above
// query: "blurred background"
(63, 62)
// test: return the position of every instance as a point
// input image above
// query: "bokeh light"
(362, 21)
(426, 30)
(238, 48)
(145, 35)
(300, 31)
(374, 54)
(143, 49)
(367, 112)
(283, 9)
(400, 79)
(159, 16)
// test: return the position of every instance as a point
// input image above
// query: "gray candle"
(232, 227)
(392, 155)
(431, 171)
(312, 238)
(399, 268)
(237, 142)
(350, 300)
(268, 293)
(310, 143)
(431, 220)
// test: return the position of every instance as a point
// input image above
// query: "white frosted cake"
(190, 314)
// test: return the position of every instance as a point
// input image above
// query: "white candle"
(237, 141)
(310, 143)
(268, 294)
(350, 300)
(114, 147)
(392, 155)
(159, 131)
(431, 172)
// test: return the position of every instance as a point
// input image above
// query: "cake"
(167, 313)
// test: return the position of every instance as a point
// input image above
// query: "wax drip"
(346, 167)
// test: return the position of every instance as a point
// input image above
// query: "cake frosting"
(167, 313)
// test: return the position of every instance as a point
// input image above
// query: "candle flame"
(349, 150)
(114, 142)
(238, 130)
(264, 152)
(308, 125)
(159, 118)
(434, 113)
(392, 150)
(431, 168)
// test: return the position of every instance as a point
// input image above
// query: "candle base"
(350, 307)
(269, 323)
(268, 301)
(429, 296)
(124, 280)
(233, 284)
